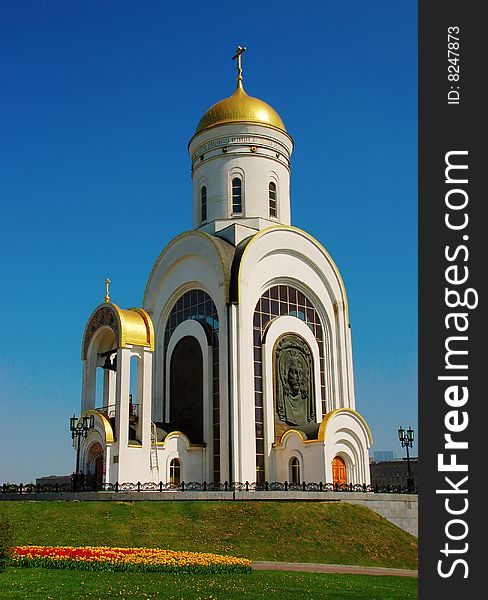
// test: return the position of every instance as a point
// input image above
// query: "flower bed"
(103, 558)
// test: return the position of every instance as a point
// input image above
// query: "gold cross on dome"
(107, 295)
(239, 51)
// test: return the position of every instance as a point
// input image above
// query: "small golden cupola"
(240, 108)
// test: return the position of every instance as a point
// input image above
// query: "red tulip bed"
(149, 560)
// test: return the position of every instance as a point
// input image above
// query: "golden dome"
(240, 108)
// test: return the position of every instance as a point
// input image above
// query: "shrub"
(6, 539)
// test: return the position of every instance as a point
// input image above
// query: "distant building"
(382, 455)
(54, 480)
(394, 472)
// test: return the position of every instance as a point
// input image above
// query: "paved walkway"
(261, 565)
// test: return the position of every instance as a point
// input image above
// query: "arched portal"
(339, 472)
(197, 305)
(94, 465)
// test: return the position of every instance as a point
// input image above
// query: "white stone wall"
(192, 459)
(310, 454)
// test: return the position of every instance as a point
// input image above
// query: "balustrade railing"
(80, 484)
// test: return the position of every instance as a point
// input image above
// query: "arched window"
(175, 471)
(295, 470)
(273, 209)
(203, 202)
(237, 195)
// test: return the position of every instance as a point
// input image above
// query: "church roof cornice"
(322, 432)
(223, 249)
(244, 247)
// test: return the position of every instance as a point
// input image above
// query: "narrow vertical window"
(203, 202)
(175, 471)
(273, 212)
(295, 470)
(237, 195)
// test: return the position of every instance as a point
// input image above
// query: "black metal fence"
(195, 486)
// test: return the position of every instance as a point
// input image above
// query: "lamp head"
(72, 423)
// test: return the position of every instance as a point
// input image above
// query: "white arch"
(276, 329)
(194, 329)
(104, 339)
(345, 433)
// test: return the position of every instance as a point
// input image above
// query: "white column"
(145, 394)
(233, 411)
(122, 405)
(224, 396)
(88, 386)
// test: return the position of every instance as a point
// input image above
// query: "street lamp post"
(406, 440)
(79, 428)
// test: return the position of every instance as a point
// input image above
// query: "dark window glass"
(186, 388)
(258, 384)
(203, 200)
(295, 470)
(273, 212)
(236, 195)
(175, 471)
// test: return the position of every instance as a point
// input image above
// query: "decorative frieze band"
(241, 140)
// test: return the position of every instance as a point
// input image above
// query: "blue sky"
(98, 103)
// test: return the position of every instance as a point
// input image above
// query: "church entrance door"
(339, 475)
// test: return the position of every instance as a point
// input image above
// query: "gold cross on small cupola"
(239, 51)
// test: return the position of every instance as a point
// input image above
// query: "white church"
(238, 366)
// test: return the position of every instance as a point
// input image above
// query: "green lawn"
(45, 584)
(284, 531)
